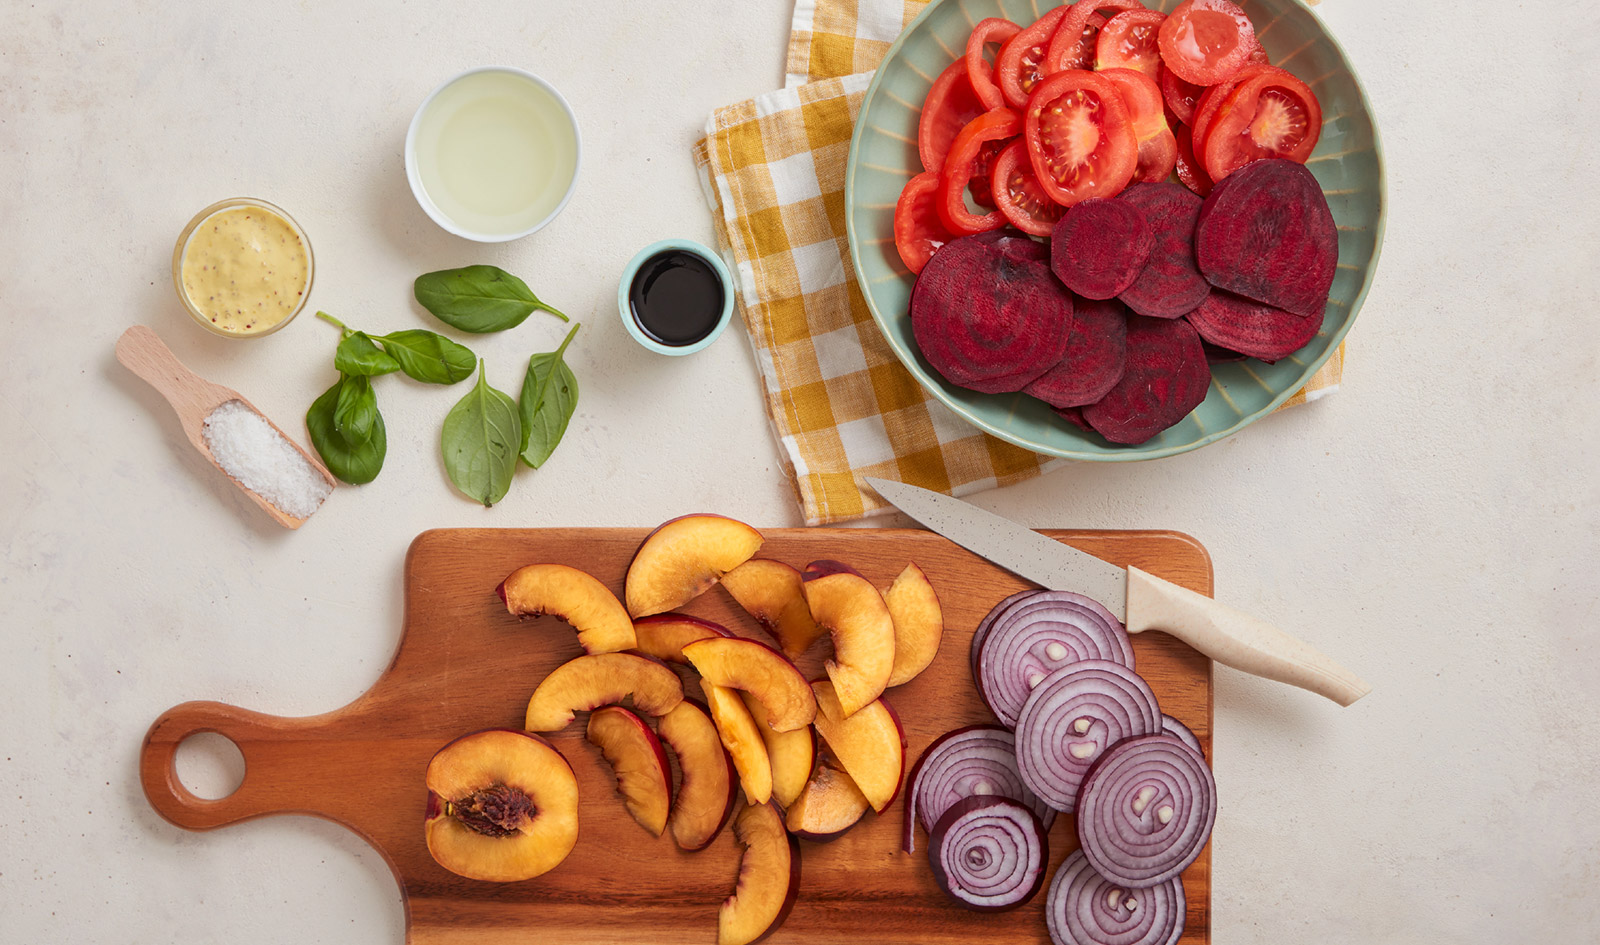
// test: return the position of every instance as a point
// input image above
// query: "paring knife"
(1141, 601)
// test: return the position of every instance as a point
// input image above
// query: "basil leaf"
(478, 298)
(480, 440)
(429, 357)
(354, 463)
(358, 354)
(355, 409)
(549, 396)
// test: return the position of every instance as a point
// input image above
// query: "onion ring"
(1085, 908)
(989, 853)
(1146, 810)
(975, 761)
(1034, 637)
(1072, 718)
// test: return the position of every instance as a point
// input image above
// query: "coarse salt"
(251, 450)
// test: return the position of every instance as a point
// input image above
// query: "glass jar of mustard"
(242, 268)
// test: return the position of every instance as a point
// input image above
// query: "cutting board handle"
(267, 743)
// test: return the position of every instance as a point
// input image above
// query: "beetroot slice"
(1170, 284)
(1251, 328)
(1217, 354)
(1015, 246)
(1074, 416)
(1097, 353)
(1266, 233)
(1167, 377)
(988, 315)
(1099, 247)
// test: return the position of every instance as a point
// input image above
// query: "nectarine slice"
(770, 591)
(682, 558)
(643, 778)
(758, 669)
(603, 679)
(663, 636)
(769, 878)
(742, 739)
(830, 805)
(863, 632)
(708, 782)
(870, 745)
(502, 806)
(574, 596)
(918, 624)
(792, 754)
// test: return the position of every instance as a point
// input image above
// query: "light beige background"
(1435, 524)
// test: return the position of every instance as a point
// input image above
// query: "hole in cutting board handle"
(209, 765)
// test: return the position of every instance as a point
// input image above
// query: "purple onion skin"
(1015, 646)
(1027, 821)
(914, 815)
(1106, 810)
(1118, 701)
(1078, 909)
(1180, 731)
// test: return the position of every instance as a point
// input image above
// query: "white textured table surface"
(1436, 524)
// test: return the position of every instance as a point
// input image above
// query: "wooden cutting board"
(464, 664)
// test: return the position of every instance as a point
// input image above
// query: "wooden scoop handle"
(144, 353)
(280, 758)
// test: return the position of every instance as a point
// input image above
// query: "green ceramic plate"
(1348, 163)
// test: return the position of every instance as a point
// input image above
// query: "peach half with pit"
(770, 591)
(870, 744)
(707, 782)
(502, 806)
(572, 595)
(683, 558)
(769, 878)
(760, 670)
(829, 805)
(863, 632)
(585, 682)
(664, 636)
(742, 739)
(791, 754)
(643, 777)
(918, 624)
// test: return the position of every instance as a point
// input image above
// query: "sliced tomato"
(950, 104)
(982, 166)
(992, 30)
(1079, 136)
(1189, 170)
(1018, 194)
(1128, 41)
(1020, 65)
(917, 230)
(961, 164)
(1259, 55)
(1205, 107)
(1180, 96)
(1205, 41)
(1073, 45)
(1158, 150)
(1273, 115)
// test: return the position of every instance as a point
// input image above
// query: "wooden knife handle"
(274, 750)
(1236, 638)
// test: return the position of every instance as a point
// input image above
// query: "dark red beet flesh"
(1266, 233)
(1170, 285)
(1217, 354)
(1251, 328)
(988, 315)
(1167, 376)
(1097, 352)
(1099, 247)
(1074, 416)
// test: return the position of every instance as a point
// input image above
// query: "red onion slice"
(1038, 635)
(1180, 731)
(1085, 908)
(1146, 810)
(1072, 718)
(988, 853)
(977, 761)
(979, 634)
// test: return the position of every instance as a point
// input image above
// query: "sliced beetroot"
(1217, 354)
(1167, 377)
(988, 315)
(1170, 284)
(1015, 245)
(1074, 416)
(1097, 353)
(1251, 328)
(1266, 233)
(1099, 246)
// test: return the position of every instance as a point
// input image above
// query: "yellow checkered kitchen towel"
(841, 404)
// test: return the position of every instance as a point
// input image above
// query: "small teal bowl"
(626, 310)
(1348, 163)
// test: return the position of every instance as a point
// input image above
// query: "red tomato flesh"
(1073, 45)
(917, 230)
(1079, 136)
(1158, 150)
(1020, 65)
(1180, 96)
(1274, 115)
(960, 166)
(1128, 41)
(992, 30)
(1018, 194)
(1205, 41)
(950, 105)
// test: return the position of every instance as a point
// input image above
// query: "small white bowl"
(421, 155)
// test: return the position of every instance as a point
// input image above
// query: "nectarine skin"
(771, 592)
(709, 783)
(644, 779)
(663, 636)
(572, 595)
(769, 878)
(682, 558)
(586, 682)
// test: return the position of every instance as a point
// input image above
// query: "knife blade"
(1140, 600)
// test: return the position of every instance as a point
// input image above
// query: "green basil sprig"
(549, 397)
(481, 437)
(355, 461)
(358, 354)
(478, 298)
(423, 355)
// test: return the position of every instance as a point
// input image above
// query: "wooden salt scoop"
(193, 398)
